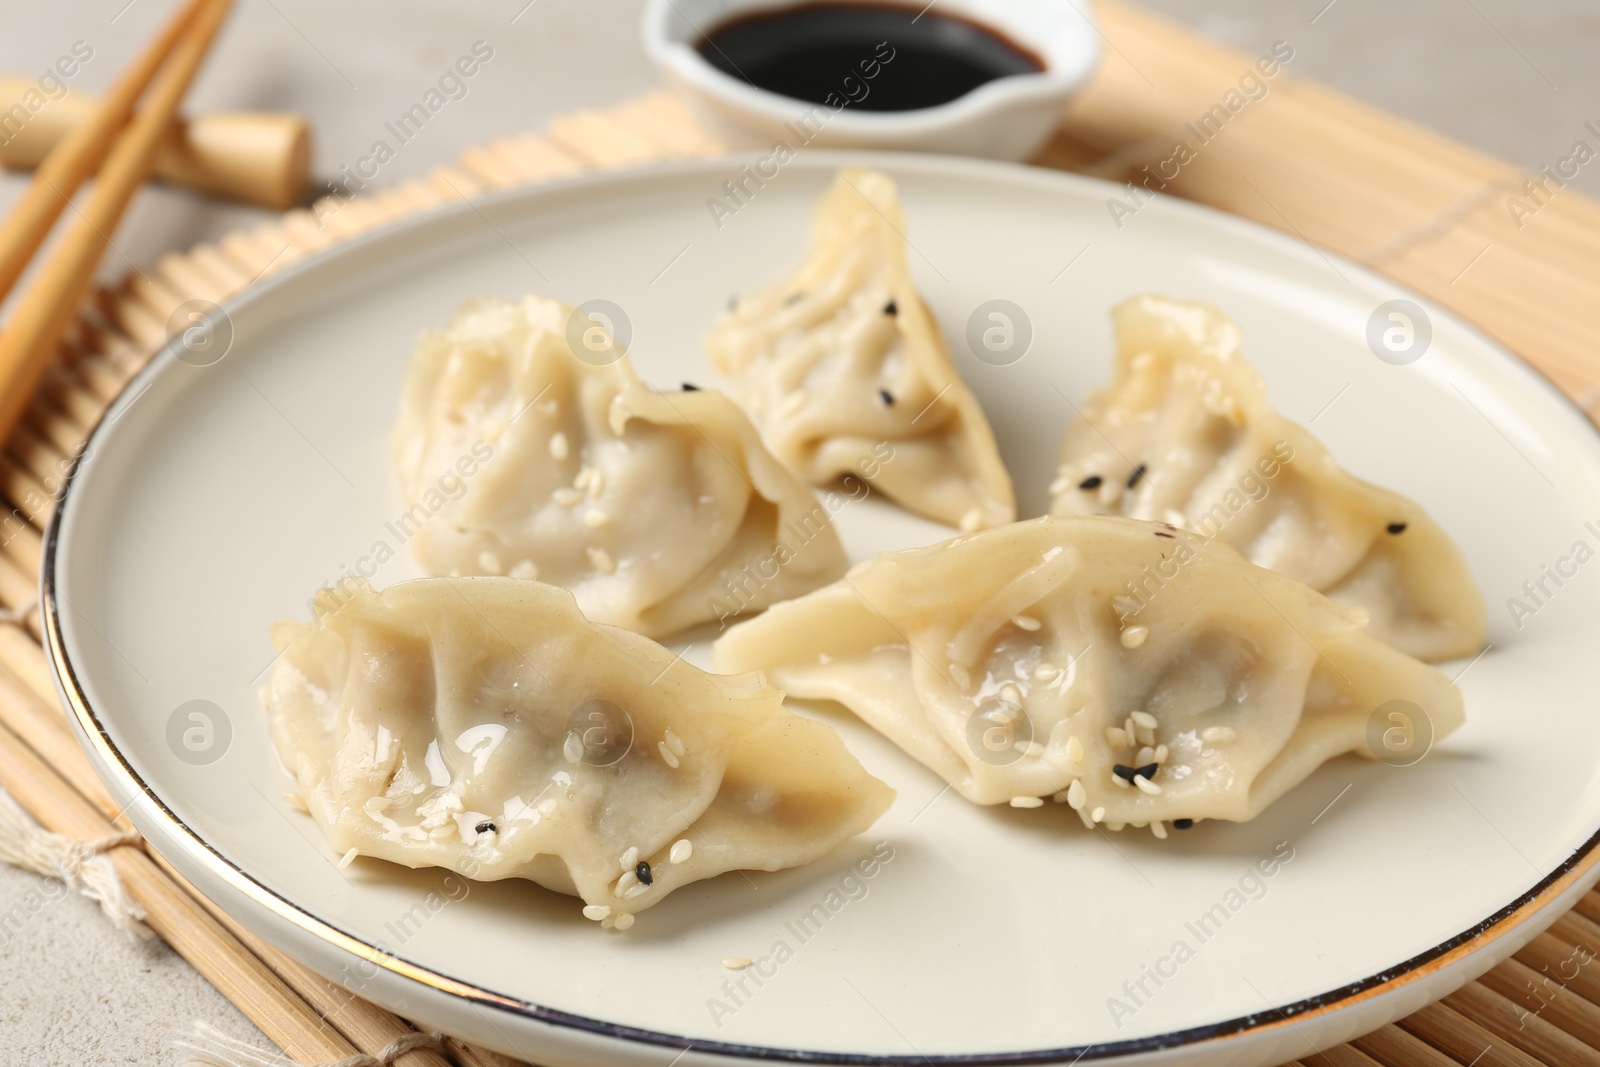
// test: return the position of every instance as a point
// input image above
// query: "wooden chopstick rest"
(257, 157)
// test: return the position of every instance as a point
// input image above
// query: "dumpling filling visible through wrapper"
(1015, 664)
(1184, 434)
(484, 725)
(845, 371)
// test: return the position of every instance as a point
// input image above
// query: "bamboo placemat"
(1425, 210)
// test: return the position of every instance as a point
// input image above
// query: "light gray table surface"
(1516, 79)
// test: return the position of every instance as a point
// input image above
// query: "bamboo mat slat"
(1406, 201)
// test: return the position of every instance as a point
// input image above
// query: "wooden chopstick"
(51, 300)
(80, 154)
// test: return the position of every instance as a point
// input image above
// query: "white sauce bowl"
(1009, 118)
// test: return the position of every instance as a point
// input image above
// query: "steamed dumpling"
(659, 511)
(1013, 664)
(1184, 434)
(483, 724)
(843, 367)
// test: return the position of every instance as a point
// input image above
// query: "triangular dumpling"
(845, 371)
(1184, 434)
(1013, 663)
(486, 726)
(659, 511)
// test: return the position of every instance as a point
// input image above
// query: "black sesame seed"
(643, 871)
(1163, 533)
(1182, 824)
(793, 298)
(1149, 771)
(690, 387)
(1123, 771)
(485, 827)
(1091, 482)
(1138, 472)
(887, 398)
(1397, 527)
(891, 308)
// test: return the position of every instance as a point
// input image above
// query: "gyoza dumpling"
(658, 511)
(483, 724)
(1014, 664)
(844, 369)
(1184, 434)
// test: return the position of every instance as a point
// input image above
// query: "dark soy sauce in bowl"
(807, 52)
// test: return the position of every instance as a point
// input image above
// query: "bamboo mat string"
(77, 865)
(206, 1046)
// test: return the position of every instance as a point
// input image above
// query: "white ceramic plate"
(215, 498)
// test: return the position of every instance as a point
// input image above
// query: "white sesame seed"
(1118, 781)
(1176, 518)
(1159, 829)
(628, 880)
(439, 833)
(1098, 814)
(1116, 737)
(737, 963)
(1059, 486)
(572, 748)
(596, 911)
(525, 569)
(1087, 819)
(1145, 735)
(1134, 636)
(1159, 755)
(597, 481)
(675, 743)
(1026, 802)
(1131, 729)
(1074, 749)
(1026, 622)
(377, 804)
(594, 518)
(558, 446)
(1145, 755)
(1144, 718)
(1146, 785)
(1115, 826)
(489, 563)
(972, 520)
(682, 849)
(1217, 733)
(1045, 671)
(667, 755)
(636, 891)
(566, 496)
(298, 802)
(348, 858)
(1011, 694)
(1004, 711)
(601, 560)
(629, 859)
(1077, 796)
(624, 921)
(1110, 492)
(959, 675)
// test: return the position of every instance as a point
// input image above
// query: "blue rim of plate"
(109, 760)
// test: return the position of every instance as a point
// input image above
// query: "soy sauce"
(871, 56)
